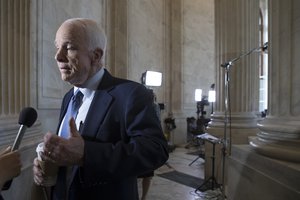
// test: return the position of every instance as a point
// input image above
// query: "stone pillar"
(16, 90)
(273, 161)
(173, 65)
(118, 37)
(14, 32)
(237, 32)
(279, 133)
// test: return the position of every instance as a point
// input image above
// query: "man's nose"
(60, 56)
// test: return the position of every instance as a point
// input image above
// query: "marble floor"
(164, 189)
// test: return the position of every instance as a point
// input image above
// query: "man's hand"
(64, 152)
(38, 175)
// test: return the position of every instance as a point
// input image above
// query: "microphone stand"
(226, 142)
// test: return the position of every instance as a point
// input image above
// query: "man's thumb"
(73, 129)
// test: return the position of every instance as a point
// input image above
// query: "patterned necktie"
(72, 111)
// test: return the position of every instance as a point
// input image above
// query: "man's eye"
(71, 48)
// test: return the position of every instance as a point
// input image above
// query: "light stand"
(201, 123)
(212, 179)
(226, 142)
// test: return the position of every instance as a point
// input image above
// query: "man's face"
(73, 58)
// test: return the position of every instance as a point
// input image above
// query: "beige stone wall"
(16, 88)
(46, 18)
(175, 37)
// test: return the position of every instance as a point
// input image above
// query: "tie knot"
(76, 102)
(77, 96)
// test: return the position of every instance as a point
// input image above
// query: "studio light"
(198, 95)
(212, 96)
(212, 99)
(152, 78)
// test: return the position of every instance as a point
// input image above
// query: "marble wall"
(47, 17)
(197, 64)
(175, 37)
(16, 90)
(198, 50)
(29, 76)
(141, 37)
(146, 36)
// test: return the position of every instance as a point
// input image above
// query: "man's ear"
(97, 55)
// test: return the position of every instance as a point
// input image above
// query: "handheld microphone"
(27, 118)
(265, 46)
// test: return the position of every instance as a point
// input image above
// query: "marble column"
(237, 33)
(269, 167)
(117, 20)
(16, 88)
(14, 32)
(279, 133)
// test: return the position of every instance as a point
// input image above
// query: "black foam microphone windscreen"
(27, 116)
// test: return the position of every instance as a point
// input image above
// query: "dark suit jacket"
(123, 138)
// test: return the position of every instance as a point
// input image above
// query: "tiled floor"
(179, 160)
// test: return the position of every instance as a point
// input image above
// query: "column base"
(283, 150)
(252, 176)
(278, 138)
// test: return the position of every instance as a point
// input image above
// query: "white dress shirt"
(88, 90)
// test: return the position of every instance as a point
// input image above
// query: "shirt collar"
(91, 84)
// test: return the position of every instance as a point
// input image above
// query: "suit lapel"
(96, 113)
(98, 109)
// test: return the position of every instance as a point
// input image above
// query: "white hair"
(94, 33)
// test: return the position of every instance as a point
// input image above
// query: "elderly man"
(108, 133)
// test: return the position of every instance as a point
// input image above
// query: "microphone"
(224, 65)
(265, 46)
(27, 117)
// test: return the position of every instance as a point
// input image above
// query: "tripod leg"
(204, 184)
(194, 160)
(214, 183)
